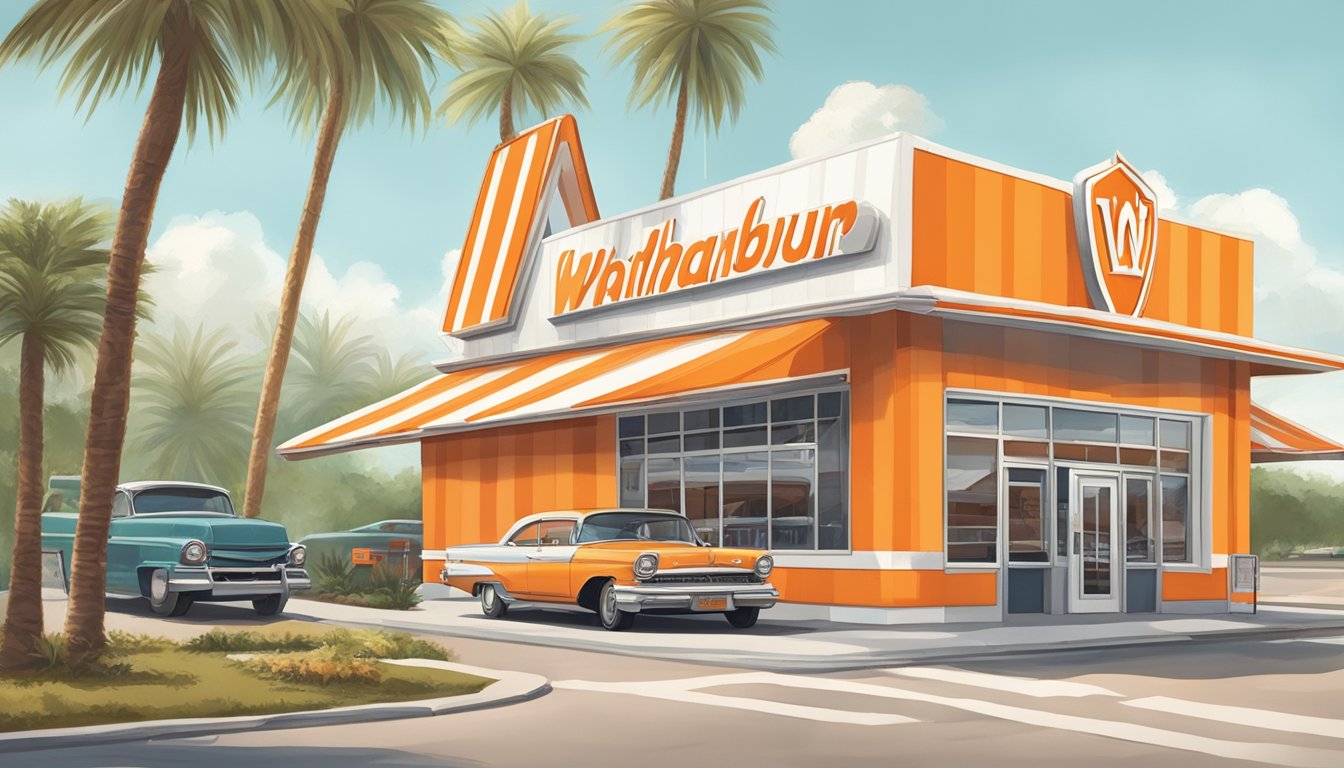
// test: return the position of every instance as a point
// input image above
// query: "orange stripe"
(605, 364)
(543, 158)
(473, 232)
(1294, 435)
(509, 181)
(1163, 333)
(443, 384)
(740, 362)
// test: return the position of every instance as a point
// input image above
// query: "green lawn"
(154, 679)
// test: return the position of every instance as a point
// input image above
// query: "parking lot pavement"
(816, 646)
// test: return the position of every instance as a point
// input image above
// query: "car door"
(510, 565)
(548, 562)
(123, 549)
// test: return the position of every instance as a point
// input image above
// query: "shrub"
(387, 589)
(323, 666)
(219, 641)
(333, 574)
(50, 651)
(380, 644)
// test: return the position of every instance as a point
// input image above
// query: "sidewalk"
(821, 646)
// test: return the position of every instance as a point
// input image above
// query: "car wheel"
(270, 605)
(743, 618)
(612, 617)
(164, 601)
(492, 605)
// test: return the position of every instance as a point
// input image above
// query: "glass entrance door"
(1095, 565)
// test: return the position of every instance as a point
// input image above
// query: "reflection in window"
(665, 484)
(791, 499)
(632, 483)
(1139, 546)
(1085, 426)
(1025, 421)
(1176, 434)
(833, 484)
(972, 500)
(972, 416)
(702, 496)
(1026, 523)
(746, 477)
(1176, 529)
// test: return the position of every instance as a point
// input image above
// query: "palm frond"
(53, 270)
(714, 46)
(515, 51)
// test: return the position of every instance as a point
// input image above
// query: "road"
(1223, 703)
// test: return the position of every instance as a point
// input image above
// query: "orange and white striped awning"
(1274, 438)
(576, 382)
(510, 217)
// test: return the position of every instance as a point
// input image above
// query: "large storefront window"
(1001, 454)
(770, 473)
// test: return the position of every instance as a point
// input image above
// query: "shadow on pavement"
(645, 623)
(204, 754)
(205, 614)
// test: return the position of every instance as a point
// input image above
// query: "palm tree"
(331, 371)
(52, 267)
(696, 52)
(200, 48)
(194, 404)
(514, 59)
(379, 51)
(389, 377)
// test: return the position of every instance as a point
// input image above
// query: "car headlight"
(298, 556)
(194, 553)
(764, 565)
(646, 565)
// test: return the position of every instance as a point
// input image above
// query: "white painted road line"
(1322, 640)
(1259, 752)
(1025, 686)
(675, 692)
(1256, 718)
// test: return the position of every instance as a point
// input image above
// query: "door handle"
(533, 555)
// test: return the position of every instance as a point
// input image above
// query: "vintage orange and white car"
(616, 563)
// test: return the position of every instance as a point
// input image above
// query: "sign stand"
(1244, 572)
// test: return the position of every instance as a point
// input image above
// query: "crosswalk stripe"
(1260, 752)
(1041, 689)
(678, 693)
(1256, 718)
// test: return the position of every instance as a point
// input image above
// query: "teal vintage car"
(177, 543)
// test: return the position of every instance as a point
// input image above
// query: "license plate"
(711, 603)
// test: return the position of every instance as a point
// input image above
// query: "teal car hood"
(216, 530)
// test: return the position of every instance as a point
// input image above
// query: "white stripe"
(310, 434)
(1263, 439)
(1255, 718)
(509, 226)
(1262, 752)
(676, 693)
(528, 384)
(483, 228)
(426, 405)
(1041, 689)
(631, 373)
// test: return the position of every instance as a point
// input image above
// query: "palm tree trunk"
(23, 616)
(506, 113)
(674, 152)
(329, 136)
(112, 373)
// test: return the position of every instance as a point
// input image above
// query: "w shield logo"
(1116, 216)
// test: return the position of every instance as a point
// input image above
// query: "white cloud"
(859, 110)
(1166, 196)
(217, 270)
(1299, 300)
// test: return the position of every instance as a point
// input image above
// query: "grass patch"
(147, 678)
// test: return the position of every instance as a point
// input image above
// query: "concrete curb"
(508, 688)
(774, 662)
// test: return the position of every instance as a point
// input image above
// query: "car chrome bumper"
(686, 597)
(226, 582)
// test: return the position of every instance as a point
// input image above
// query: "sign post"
(1245, 575)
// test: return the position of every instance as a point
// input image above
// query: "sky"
(1233, 108)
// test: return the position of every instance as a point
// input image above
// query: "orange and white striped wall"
(905, 273)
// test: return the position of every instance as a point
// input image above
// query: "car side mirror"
(510, 544)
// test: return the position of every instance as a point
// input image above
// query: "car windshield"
(637, 526)
(182, 500)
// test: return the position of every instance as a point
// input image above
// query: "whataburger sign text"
(665, 265)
